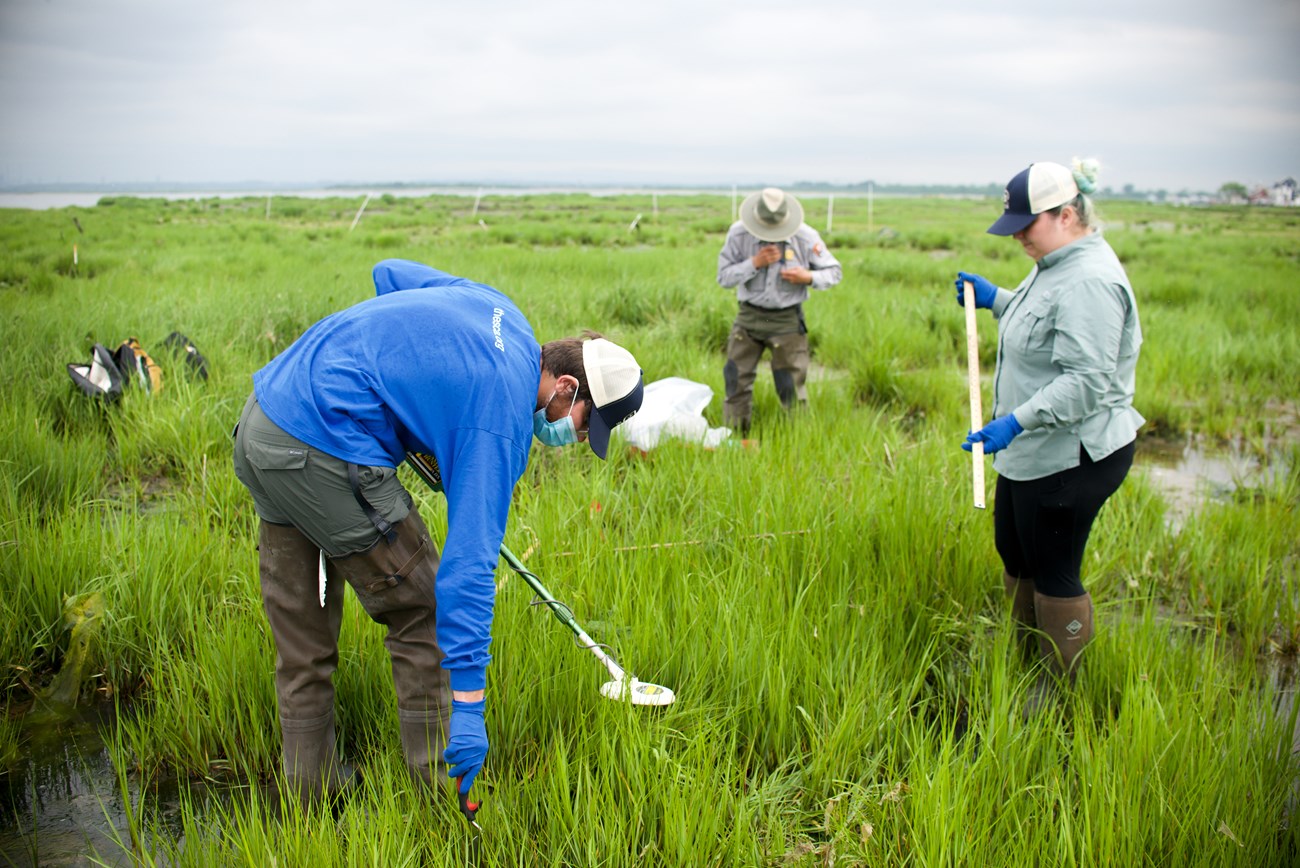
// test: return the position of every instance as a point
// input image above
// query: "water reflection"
(63, 802)
(1193, 472)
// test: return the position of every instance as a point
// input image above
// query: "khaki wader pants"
(757, 329)
(307, 508)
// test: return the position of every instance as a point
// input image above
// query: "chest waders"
(755, 330)
(394, 580)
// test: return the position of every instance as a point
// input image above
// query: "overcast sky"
(1174, 94)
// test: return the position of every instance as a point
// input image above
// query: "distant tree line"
(1128, 191)
(1281, 193)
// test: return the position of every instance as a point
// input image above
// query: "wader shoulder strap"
(381, 524)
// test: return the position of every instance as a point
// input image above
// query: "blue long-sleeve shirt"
(438, 364)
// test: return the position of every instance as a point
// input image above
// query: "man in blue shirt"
(435, 364)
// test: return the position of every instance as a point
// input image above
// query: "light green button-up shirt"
(1068, 340)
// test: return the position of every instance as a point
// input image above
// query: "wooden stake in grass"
(973, 379)
(364, 203)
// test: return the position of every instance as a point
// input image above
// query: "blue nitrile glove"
(467, 745)
(995, 436)
(985, 292)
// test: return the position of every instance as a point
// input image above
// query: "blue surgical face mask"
(558, 433)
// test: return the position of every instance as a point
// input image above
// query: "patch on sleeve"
(817, 248)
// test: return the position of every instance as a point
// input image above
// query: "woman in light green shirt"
(1064, 426)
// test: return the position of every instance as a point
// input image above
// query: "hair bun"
(1085, 173)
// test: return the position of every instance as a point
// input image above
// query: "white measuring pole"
(477, 197)
(973, 380)
(359, 210)
(830, 212)
(870, 189)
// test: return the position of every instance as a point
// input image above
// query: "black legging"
(1041, 526)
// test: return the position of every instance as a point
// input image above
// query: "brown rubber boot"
(311, 764)
(424, 738)
(1065, 627)
(1021, 594)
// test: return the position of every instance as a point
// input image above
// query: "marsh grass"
(826, 605)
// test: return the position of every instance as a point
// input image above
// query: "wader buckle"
(383, 584)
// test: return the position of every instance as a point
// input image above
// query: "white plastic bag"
(673, 407)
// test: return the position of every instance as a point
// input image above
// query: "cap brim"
(598, 435)
(601, 420)
(1010, 224)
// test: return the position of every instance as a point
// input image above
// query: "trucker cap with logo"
(614, 378)
(1039, 188)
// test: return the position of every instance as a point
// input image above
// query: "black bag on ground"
(178, 343)
(101, 378)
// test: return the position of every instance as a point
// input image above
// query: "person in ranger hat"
(1064, 426)
(435, 364)
(773, 259)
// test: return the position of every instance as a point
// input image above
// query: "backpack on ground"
(138, 366)
(101, 378)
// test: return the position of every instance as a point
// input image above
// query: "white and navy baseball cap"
(614, 378)
(1039, 188)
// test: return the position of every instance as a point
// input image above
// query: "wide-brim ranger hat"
(771, 214)
(614, 378)
(1039, 188)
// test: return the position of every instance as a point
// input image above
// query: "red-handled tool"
(468, 808)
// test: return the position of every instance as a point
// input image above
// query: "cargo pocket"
(269, 456)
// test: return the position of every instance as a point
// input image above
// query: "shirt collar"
(1061, 253)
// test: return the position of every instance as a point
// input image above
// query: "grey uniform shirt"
(763, 287)
(1068, 341)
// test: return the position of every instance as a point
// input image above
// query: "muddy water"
(1192, 473)
(61, 801)
(63, 805)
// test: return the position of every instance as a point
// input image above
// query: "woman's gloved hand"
(985, 292)
(995, 436)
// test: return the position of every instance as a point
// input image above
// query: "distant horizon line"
(271, 187)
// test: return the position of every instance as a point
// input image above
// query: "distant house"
(1284, 192)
